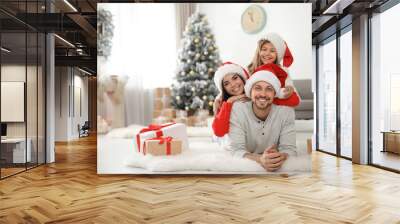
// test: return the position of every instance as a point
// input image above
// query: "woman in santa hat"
(230, 79)
(272, 49)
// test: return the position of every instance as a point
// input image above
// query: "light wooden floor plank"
(70, 191)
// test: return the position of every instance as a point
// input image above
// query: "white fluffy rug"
(205, 155)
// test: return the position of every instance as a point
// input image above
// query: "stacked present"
(181, 117)
(162, 111)
(162, 146)
(199, 119)
(165, 139)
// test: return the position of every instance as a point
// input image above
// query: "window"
(327, 96)
(394, 102)
(346, 94)
(144, 44)
(22, 65)
(385, 88)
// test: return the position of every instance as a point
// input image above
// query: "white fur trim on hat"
(265, 76)
(278, 43)
(227, 69)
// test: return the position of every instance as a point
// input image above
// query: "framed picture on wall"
(12, 101)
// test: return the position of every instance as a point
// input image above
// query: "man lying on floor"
(259, 130)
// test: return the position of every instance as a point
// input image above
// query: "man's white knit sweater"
(247, 133)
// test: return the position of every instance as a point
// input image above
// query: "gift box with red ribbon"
(176, 131)
(162, 146)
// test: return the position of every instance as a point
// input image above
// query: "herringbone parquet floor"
(70, 191)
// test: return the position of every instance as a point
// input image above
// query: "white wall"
(33, 126)
(291, 21)
(81, 83)
(61, 103)
(15, 72)
(68, 80)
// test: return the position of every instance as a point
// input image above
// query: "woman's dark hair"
(225, 94)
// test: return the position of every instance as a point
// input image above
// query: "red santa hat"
(228, 68)
(269, 73)
(281, 47)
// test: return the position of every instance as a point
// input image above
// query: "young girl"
(229, 79)
(273, 49)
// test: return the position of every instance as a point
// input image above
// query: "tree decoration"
(105, 32)
(198, 59)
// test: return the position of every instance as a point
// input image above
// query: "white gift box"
(176, 131)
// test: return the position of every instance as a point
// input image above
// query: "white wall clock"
(253, 19)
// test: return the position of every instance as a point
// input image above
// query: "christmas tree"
(198, 59)
(105, 32)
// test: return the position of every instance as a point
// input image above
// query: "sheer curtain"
(144, 49)
(183, 12)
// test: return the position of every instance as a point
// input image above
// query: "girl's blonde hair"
(256, 58)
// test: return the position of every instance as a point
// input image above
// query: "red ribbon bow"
(167, 139)
(152, 127)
